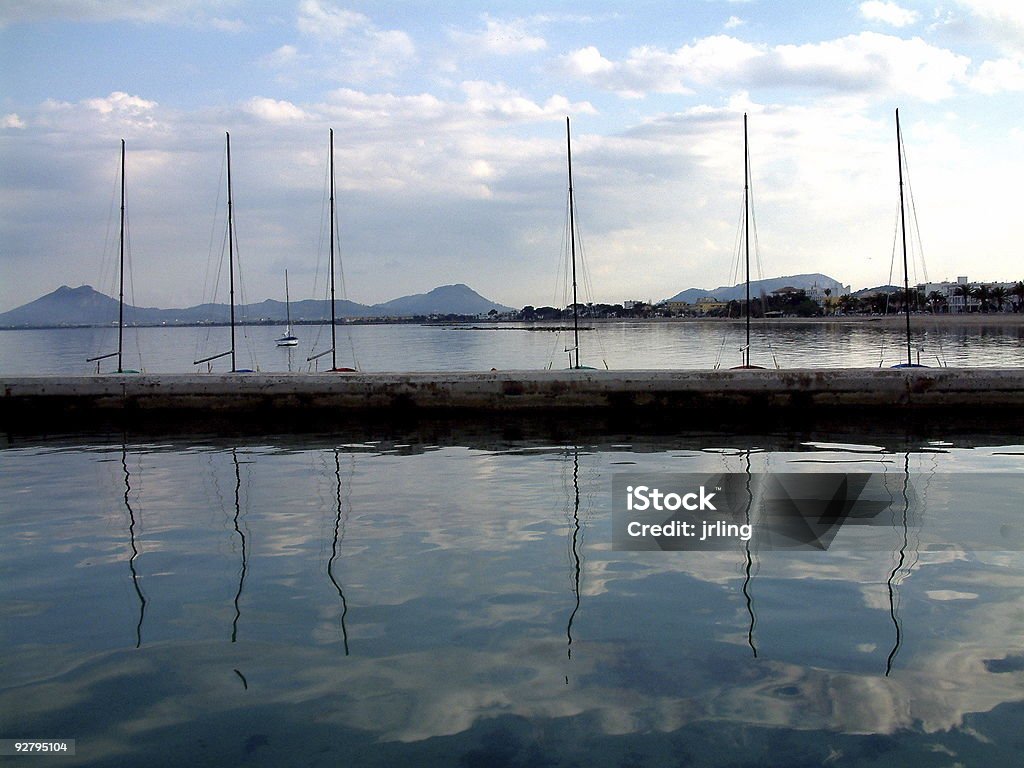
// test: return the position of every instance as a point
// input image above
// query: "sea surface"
(454, 599)
(482, 346)
(447, 593)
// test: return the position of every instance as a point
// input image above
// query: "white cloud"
(865, 63)
(121, 103)
(283, 56)
(11, 121)
(733, 22)
(354, 48)
(1001, 22)
(654, 69)
(501, 37)
(999, 76)
(274, 111)
(498, 100)
(888, 13)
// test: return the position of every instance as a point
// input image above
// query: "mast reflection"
(245, 552)
(134, 546)
(339, 537)
(575, 545)
(898, 568)
(748, 577)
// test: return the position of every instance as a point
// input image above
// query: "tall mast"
(231, 252)
(572, 241)
(120, 296)
(287, 302)
(746, 229)
(334, 344)
(903, 231)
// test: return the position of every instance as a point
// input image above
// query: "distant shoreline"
(992, 319)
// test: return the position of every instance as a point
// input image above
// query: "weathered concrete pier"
(697, 394)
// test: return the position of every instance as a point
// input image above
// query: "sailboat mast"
(120, 296)
(746, 229)
(287, 302)
(231, 252)
(572, 241)
(903, 231)
(334, 344)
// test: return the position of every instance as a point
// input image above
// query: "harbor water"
(448, 593)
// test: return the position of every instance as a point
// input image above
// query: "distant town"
(960, 297)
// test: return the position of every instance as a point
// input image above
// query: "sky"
(449, 123)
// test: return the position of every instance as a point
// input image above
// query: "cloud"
(998, 21)
(864, 63)
(733, 22)
(888, 13)
(353, 48)
(11, 121)
(498, 100)
(121, 103)
(274, 111)
(999, 76)
(501, 37)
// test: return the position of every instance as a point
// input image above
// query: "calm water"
(622, 345)
(455, 601)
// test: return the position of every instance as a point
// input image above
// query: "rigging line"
(319, 257)
(340, 272)
(107, 261)
(131, 282)
(203, 341)
(913, 211)
(561, 277)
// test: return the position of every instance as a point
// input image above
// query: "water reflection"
(898, 567)
(747, 574)
(575, 545)
(340, 521)
(637, 345)
(135, 550)
(245, 553)
(454, 553)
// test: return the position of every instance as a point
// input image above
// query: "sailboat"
(231, 271)
(903, 232)
(288, 340)
(574, 350)
(333, 224)
(746, 246)
(120, 294)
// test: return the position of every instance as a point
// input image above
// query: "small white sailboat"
(289, 339)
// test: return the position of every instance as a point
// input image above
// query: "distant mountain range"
(87, 306)
(757, 287)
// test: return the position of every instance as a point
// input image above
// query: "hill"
(456, 299)
(85, 306)
(738, 291)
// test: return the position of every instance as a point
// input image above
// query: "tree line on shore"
(796, 303)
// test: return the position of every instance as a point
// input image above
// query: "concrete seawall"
(738, 393)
